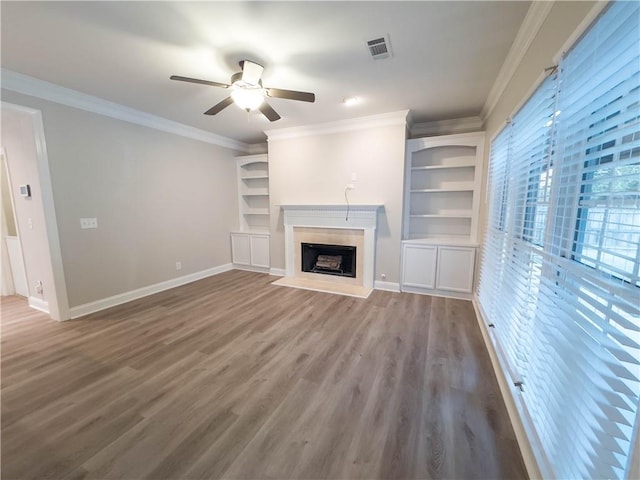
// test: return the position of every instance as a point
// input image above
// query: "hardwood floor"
(232, 377)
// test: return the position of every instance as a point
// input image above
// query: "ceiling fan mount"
(247, 91)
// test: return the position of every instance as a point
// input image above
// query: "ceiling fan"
(248, 93)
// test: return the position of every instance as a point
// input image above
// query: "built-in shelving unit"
(442, 188)
(442, 201)
(250, 244)
(253, 193)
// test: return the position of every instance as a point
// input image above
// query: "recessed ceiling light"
(351, 101)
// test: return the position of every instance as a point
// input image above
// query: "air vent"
(379, 48)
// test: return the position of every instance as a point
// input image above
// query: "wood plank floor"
(232, 377)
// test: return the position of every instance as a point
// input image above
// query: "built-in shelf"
(258, 192)
(253, 193)
(256, 211)
(440, 167)
(441, 215)
(442, 200)
(442, 186)
(455, 240)
(437, 190)
(254, 177)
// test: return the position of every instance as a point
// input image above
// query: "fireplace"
(326, 259)
(331, 226)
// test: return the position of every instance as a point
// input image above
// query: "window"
(559, 273)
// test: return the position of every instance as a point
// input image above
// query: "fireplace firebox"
(325, 259)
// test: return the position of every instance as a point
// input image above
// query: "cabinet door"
(240, 249)
(419, 266)
(455, 269)
(260, 251)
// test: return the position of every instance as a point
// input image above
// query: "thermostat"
(25, 190)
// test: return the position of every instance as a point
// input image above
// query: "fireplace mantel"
(354, 216)
(332, 215)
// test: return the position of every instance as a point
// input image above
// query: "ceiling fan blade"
(269, 112)
(291, 94)
(251, 72)
(219, 106)
(196, 80)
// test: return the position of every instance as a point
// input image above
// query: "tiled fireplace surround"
(335, 225)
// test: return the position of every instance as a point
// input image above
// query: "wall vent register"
(325, 259)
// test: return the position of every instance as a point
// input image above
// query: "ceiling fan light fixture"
(247, 98)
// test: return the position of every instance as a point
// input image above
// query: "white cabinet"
(259, 250)
(250, 245)
(455, 269)
(438, 269)
(443, 179)
(419, 266)
(250, 250)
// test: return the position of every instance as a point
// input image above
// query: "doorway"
(34, 214)
(14, 275)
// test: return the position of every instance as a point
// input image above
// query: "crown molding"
(257, 148)
(34, 87)
(340, 126)
(447, 127)
(531, 24)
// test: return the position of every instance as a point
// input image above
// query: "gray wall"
(317, 168)
(159, 198)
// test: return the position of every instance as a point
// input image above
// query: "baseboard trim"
(249, 268)
(386, 286)
(39, 304)
(278, 272)
(508, 395)
(438, 293)
(98, 305)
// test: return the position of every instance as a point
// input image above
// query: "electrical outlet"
(86, 223)
(354, 176)
(178, 265)
(39, 288)
(350, 186)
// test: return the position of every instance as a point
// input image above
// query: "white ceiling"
(446, 55)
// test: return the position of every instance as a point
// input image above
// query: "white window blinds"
(559, 273)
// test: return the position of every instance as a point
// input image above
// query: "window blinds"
(559, 270)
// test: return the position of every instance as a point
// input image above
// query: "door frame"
(59, 303)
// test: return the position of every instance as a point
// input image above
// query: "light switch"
(88, 223)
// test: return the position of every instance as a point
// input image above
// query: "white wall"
(317, 168)
(158, 197)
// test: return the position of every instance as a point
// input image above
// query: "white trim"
(434, 292)
(530, 27)
(58, 309)
(446, 127)
(39, 304)
(17, 82)
(340, 126)
(258, 148)
(360, 217)
(125, 297)
(509, 393)
(386, 286)
(586, 22)
(250, 268)
(278, 272)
